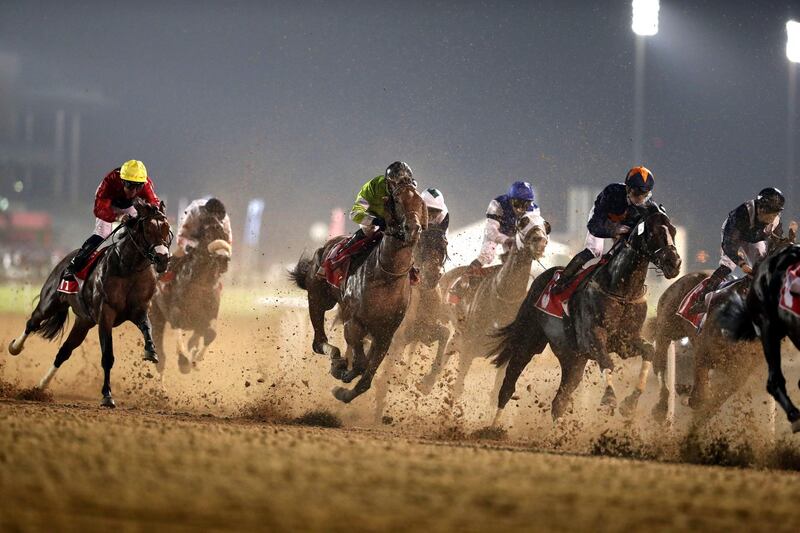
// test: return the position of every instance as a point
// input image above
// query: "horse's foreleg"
(76, 336)
(105, 326)
(444, 351)
(571, 373)
(464, 364)
(354, 334)
(776, 382)
(659, 412)
(376, 354)
(208, 337)
(183, 361)
(598, 347)
(145, 327)
(158, 323)
(645, 350)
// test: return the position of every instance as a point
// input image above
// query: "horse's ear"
(547, 228)
(162, 206)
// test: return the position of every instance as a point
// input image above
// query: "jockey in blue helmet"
(502, 218)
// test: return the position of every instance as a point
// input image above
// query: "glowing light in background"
(793, 41)
(645, 17)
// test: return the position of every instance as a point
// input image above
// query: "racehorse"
(493, 304)
(191, 300)
(771, 312)
(606, 313)
(374, 297)
(118, 289)
(422, 323)
(712, 350)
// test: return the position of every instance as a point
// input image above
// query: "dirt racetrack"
(213, 449)
(77, 467)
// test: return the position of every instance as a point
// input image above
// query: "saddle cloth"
(555, 305)
(336, 263)
(72, 287)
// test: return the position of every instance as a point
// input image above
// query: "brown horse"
(190, 302)
(711, 349)
(118, 289)
(493, 304)
(374, 297)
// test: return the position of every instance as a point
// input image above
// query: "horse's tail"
(53, 325)
(300, 271)
(734, 319)
(524, 335)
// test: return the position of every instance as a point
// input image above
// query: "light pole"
(644, 23)
(793, 55)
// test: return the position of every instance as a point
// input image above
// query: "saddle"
(73, 287)
(698, 319)
(555, 305)
(345, 256)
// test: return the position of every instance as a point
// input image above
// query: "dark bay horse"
(607, 312)
(711, 349)
(374, 297)
(493, 304)
(761, 315)
(118, 289)
(423, 321)
(190, 302)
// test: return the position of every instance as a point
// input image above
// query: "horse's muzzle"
(161, 263)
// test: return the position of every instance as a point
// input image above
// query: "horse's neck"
(127, 258)
(512, 278)
(625, 273)
(393, 257)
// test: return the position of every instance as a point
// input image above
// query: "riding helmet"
(770, 200)
(640, 178)
(521, 190)
(398, 172)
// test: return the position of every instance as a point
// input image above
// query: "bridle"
(656, 257)
(148, 250)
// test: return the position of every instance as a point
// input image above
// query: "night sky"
(301, 102)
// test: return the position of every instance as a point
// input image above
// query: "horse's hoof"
(184, 365)
(338, 368)
(342, 394)
(609, 399)
(151, 356)
(629, 404)
(659, 412)
(425, 386)
(13, 349)
(108, 402)
(796, 426)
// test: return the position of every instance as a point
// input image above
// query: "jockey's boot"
(716, 279)
(80, 259)
(571, 270)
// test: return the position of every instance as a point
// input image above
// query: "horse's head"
(532, 234)
(151, 233)
(430, 256)
(214, 258)
(406, 213)
(654, 237)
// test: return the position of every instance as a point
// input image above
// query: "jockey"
(195, 217)
(502, 218)
(113, 200)
(744, 238)
(438, 215)
(369, 210)
(616, 209)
